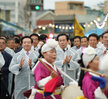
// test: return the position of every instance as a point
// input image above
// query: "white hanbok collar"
(52, 66)
(27, 57)
(93, 74)
(67, 48)
(28, 51)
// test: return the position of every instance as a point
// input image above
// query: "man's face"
(62, 42)
(35, 40)
(84, 42)
(26, 44)
(93, 42)
(77, 42)
(11, 44)
(2, 45)
(105, 40)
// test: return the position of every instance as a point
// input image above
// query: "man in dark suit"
(4, 71)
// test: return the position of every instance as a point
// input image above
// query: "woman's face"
(94, 65)
(50, 56)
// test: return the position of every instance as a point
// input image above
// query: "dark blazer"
(5, 69)
(18, 49)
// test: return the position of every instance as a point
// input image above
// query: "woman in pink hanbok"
(92, 85)
(43, 75)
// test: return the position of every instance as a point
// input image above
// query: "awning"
(11, 25)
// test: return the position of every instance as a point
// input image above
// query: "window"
(8, 15)
(76, 6)
(71, 7)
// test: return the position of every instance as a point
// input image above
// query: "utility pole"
(16, 13)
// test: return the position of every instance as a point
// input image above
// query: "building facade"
(69, 8)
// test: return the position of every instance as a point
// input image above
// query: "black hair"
(63, 34)
(84, 37)
(77, 37)
(100, 36)
(26, 37)
(82, 73)
(43, 37)
(16, 36)
(17, 41)
(104, 33)
(40, 55)
(93, 35)
(34, 35)
(10, 39)
(3, 39)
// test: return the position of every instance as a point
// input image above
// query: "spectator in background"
(11, 43)
(105, 39)
(66, 58)
(16, 36)
(4, 83)
(35, 39)
(84, 41)
(77, 43)
(7, 49)
(93, 42)
(21, 65)
(69, 42)
(100, 38)
(17, 45)
(84, 44)
(105, 42)
(43, 38)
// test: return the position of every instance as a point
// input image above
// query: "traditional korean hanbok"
(71, 68)
(42, 72)
(99, 50)
(91, 88)
(24, 78)
(92, 84)
(42, 76)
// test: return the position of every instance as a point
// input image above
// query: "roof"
(63, 17)
(43, 14)
(74, 2)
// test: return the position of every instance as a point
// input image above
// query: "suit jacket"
(5, 69)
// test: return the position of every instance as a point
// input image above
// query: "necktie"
(27, 53)
(64, 50)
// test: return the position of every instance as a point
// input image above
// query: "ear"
(43, 53)
(89, 63)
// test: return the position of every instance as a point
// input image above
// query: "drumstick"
(88, 70)
(45, 65)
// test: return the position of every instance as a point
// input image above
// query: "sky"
(50, 4)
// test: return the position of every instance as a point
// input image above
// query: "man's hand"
(30, 62)
(68, 58)
(22, 62)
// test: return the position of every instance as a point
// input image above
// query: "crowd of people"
(20, 68)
